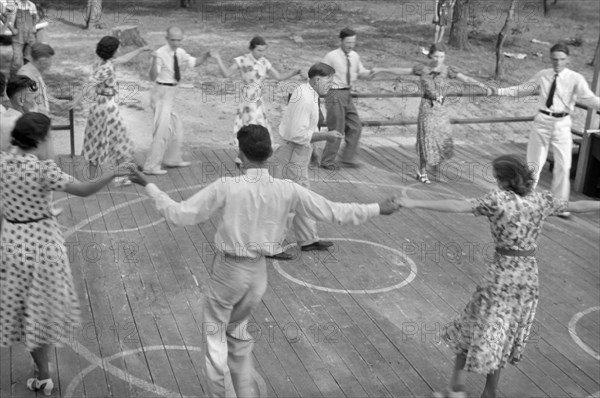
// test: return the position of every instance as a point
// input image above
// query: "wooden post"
(591, 122)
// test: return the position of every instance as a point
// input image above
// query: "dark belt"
(27, 221)
(345, 88)
(167, 84)
(514, 252)
(554, 114)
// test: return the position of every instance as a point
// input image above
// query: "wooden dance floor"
(363, 320)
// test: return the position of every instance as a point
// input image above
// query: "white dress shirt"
(255, 209)
(165, 61)
(301, 117)
(337, 60)
(571, 87)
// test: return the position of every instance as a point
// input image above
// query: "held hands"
(389, 206)
(137, 177)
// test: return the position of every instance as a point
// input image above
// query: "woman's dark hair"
(514, 174)
(255, 142)
(257, 41)
(435, 47)
(30, 129)
(107, 47)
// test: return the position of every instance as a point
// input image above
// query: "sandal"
(423, 178)
(45, 385)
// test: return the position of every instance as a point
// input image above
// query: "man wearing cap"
(341, 113)
(559, 89)
(21, 92)
(41, 61)
(167, 65)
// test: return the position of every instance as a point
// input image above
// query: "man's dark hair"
(347, 32)
(320, 69)
(257, 41)
(255, 142)
(560, 47)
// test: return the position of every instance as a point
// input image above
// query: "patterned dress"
(105, 139)
(252, 106)
(434, 141)
(494, 326)
(38, 297)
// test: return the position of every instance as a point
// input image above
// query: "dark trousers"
(341, 116)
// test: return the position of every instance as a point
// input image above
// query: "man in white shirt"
(299, 129)
(168, 62)
(559, 89)
(254, 211)
(341, 113)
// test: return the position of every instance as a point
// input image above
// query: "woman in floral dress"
(434, 141)
(253, 68)
(37, 293)
(495, 324)
(105, 139)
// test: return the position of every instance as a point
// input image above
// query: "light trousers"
(292, 161)
(235, 289)
(168, 130)
(550, 132)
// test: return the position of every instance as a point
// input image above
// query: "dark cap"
(40, 50)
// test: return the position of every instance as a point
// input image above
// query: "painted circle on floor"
(401, 260)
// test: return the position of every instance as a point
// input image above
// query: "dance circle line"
(409, 279)
(77, 227)
(105, 364)
(575, 337)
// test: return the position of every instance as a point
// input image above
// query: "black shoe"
(350, 165)
(281, 256)
(330, 166)
(318, 245)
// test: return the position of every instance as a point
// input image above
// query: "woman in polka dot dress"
(254, 68)
(105, 139)
(36, 286)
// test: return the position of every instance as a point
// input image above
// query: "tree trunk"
(501, 38)
(459, 33)
(129, 36)
(93, 13)
(546, 7)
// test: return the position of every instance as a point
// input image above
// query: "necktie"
(176, 67)
(348, 69)
(551, 94)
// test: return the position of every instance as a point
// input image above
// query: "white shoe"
(564, 214)
(122, 181)
(183, 163)
(45, 385)
(158, 172)
(450, 394)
